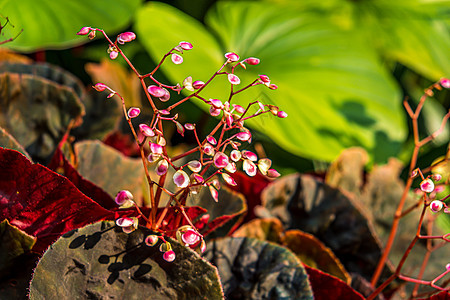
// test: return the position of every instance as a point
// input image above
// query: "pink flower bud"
(235, 155)
(113, 54)
(125, 37)
(198, 178)
(239, 108)
(216, 184)
(214, 111)
(187, 84)
(123, 196)
(166, 96)
(445, 82)
(180, 128)
(84, 31)
(185, 45)
(190, 237)
(152, 157)
(155, 148)
(91, 35)
(151, 240)
(176, 58)
(214, 193)
(264, 78)
(100, 87)
(249, 155)
(211, 140)
(273, 86)
(181, 179)
(146, 130)
(198, 84)
(216, 103)
(264, 165)
(169, 256)
(195, 166)
(436, 206)
(228, 179)
(156, 91)
(233, 79)
(164, 112)
(252, 61)
(220, 160)
(244, 136)
(249, 167)
(162, 167)
(436, 177)
(208, 149)
(231, 167)
(229, 120)
(282, 114)
(232, 56)
(272, 173)
(133, 112)
(427, 186)
(189, 126)
(447, 267)
(124, 222)
(414, 173)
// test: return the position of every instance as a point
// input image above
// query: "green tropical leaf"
(331, 84)
(53, 25)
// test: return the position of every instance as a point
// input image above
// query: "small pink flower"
(189, 126)
(229, 120)
(232, 56)
(113, 54)
(146, 130)
(164, 112)
(445, 82)
(249, 167)
(156, 148)
(214, 193)
(244, 136)
(190, 237)
(91, 35)
(162, 167)
(100, 87)
(208, 149)
(84, 31)
(220, 160)
(436, 206)
(264, 78)
(151, 240)
(133, 112)
(198, 84)
(181, 179)
(282, 114)
(156, 91)
(211, 140)
(125, 37)
(252, 61)
(195, 166)
(249, 155)
(187, 84)
(427, 185)
(198, 178)
(272, 173)
(153, 157)
(185, 45)
(228, 179)
(169, 256)
(233, 79)
(123, 196)
(180, 128)
(447, 267)
(176, 58)
(273, 86)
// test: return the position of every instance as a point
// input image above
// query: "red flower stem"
(185, 154)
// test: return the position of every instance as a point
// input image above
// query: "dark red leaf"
(327, 287)
(251, 188)
(41, 202)
(60, 164)
(123, 143)
(444, 295)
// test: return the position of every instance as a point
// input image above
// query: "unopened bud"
(84, 31)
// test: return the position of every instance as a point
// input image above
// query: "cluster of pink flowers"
(215, 152)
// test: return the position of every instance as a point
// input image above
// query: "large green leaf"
(100, 261)
(331, 83)
(50, 25)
